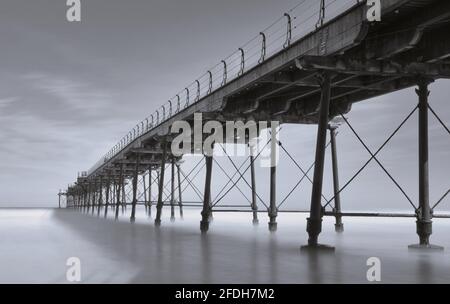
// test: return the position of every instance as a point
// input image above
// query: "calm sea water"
(36, 243)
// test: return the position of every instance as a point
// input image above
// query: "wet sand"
(36, 243)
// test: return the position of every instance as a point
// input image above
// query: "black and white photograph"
(224, 148)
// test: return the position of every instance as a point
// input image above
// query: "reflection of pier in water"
(236, 252)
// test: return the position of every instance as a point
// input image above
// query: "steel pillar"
(273, 210)
(158, 174)
(119, 184)
(113, 192)
(180, 199)
(172, 191)
(90, 198)
(85, 198)
(100, 198)
(206, 212)
(124, 196)
(150, 182)
(88, 201)
(159, 205)
(94, 198)
(253, 177)
(314, 222)
(107, 196)
(112, 197)
(424, 213)
(145, 192)
(135, 184)
(338, 226)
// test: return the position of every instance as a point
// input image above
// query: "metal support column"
(118, 185)
(273, 210)
(145, 192)
(89, 198)
(172, 192)
(158, 174)
(206, 212)
(150, 182)
(135, 185)
(338, 226)
(253, 177)
(94, 198)
(180, 191)
(85, 199)
(112, 197)
(159, 205)
(124, 196)
(314, 222)
(107, 195)
(424, 212)
(100, 198)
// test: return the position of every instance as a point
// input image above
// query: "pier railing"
(306, 17)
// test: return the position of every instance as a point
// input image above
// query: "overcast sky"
(69, 91)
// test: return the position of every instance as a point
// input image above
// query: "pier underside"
(314, 80)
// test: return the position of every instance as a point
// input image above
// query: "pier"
(297, 75)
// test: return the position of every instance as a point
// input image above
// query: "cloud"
(4, 102)
(74, 94)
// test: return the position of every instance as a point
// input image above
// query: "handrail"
(240, 61)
